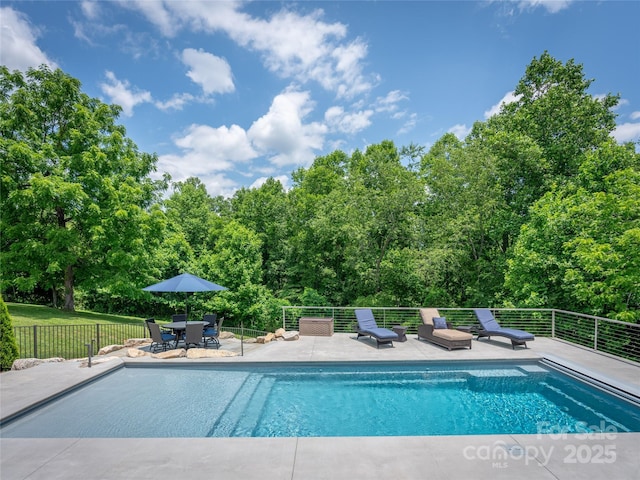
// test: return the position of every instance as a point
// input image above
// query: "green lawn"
(24, 315)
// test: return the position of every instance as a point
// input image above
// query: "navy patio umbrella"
(185, 283)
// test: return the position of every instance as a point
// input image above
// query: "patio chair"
(491, 328)
(179, 317)
(444, 336)
(159, 339)
(367, 326)
(193, 335)
(153, 320)
(211, 319)
(212, 333)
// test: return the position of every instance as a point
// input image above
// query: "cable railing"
(614, 337)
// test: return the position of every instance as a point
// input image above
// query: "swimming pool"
(327, 399)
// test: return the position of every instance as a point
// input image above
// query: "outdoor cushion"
(439, 322)
(449, 334)
(517, 334)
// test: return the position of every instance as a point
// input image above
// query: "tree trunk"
(69, 303)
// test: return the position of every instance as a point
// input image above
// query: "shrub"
(8, 346)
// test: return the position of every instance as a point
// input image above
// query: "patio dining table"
(180, 327)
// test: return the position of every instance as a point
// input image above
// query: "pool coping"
(319, 457)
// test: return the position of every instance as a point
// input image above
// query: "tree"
(8, 346)
(265, 211)
(555, 110)
(77, 202)
(580, 249)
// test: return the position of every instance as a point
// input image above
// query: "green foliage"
(76, 197)
(580, 249)
(536, 207)
(8, 346)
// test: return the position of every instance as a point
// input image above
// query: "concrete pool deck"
(612, 455)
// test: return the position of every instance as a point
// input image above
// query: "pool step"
(235, 410)
(249, 421)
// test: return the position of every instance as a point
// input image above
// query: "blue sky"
(236, 92)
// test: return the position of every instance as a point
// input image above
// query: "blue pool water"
(330, 400)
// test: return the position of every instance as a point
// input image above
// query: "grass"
(65, 334)
(24, 315)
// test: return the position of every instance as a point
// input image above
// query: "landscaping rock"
(136, 342)
(110, 349)
(177, 353)
(291, 335)
(84, 362)
(194, 353)
(279, 332)
(136, 352)
(265, 338)
(224, 335)
(24, 363)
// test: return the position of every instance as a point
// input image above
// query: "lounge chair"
(367, 327)
(160, 340)
(212, 332)
(491, 328)
(193, 334)
(445, 337)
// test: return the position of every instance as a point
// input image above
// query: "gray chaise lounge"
(445, 337)
(491, 328)
(367, 326)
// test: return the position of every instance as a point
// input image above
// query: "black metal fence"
(70, 341)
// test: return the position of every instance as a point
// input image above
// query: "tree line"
(537, 207)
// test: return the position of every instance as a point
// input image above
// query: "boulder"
(224, 335)
(136, 342)
(110, 349)
(251, 340)
(176, 353)
(23, 363)
(291, 335)
(136, 352)
(84, 362)
(265, 338)
(194, 353)
(279, 332)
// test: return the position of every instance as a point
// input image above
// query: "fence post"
(98, 334)
(553, 323)
(595, 335)
(35, 341)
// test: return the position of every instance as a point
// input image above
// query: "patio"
(495, 456)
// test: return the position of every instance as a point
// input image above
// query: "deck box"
(318, 326)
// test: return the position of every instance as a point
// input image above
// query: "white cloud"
(409, 124)
(627, 132)
(460, 131)
(552, 6)
(303, 47)
(282, 133)
(176, 102)
(389, 103)
(212, 73)
(120, 93)
(209, 153)
(635, 115)
(339, 121)
(18, 48)
(90, 9)
(509, 97)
